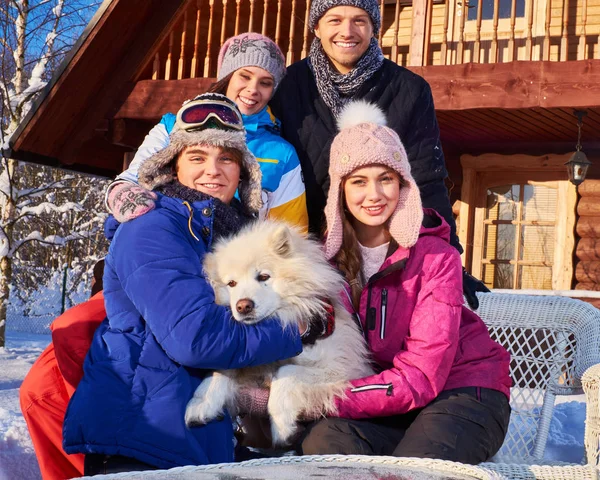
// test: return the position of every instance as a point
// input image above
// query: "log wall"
(587, 251)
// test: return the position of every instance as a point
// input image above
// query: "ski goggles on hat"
(198, 114)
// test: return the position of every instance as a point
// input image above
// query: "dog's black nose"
(245, 306)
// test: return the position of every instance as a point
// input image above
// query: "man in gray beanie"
(346, 63)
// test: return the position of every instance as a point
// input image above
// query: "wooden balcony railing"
(414, 33)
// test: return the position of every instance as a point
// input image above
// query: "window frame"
(489, 170)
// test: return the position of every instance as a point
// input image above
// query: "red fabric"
(72, 334)
(47, 388)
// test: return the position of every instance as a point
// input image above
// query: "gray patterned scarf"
(336, 88)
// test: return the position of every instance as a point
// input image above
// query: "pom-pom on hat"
(251, 50)
(364, 140)
(319, 7)
(212, 119)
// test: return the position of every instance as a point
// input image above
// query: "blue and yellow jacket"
(163, 334)
(284, 196)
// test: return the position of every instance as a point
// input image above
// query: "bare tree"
(36, 34)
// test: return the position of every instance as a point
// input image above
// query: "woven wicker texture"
(360, 467)
(552, 341)
(333, 467)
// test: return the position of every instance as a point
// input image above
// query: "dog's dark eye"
(232, 284)
(263, 277)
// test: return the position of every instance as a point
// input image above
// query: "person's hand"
(319, 326)
(127, 201)
(471, 285)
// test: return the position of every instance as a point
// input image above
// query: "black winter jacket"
(309, 125)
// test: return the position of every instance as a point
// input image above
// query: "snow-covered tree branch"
(39, 207)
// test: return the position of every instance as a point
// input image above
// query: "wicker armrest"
(590, 381)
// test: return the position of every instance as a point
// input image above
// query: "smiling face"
(371, 195)
(250, 88)
(345, 33)
(211, 170)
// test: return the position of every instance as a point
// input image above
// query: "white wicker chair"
(554, 343)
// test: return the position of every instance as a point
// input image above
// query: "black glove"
(319, 326)
(471, 285)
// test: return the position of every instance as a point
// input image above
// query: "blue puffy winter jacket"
(163, 334)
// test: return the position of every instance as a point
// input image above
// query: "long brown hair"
(220, 86)
(349, 259)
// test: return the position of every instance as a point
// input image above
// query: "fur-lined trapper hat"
(364, 140)
(209, 119)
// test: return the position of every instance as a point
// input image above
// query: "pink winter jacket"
(421, 336)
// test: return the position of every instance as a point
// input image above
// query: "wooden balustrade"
(417, 32)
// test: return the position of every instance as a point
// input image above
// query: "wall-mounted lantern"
(578, 164)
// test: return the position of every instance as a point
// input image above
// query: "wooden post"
(194, 66)
(396, 41)
(564, 41)
(494, 49)
(417, 38)
(546, 53)
(208, 60)
(511, 40)
(237, 17)
(461, 35)
(305, 40)
(581, 49)
(168, 63)
(444, 51)
(427, 43)
(264, 22)
(181, 64)
(278, 23)
(529, 41)
(290, 52)
(251, 19)
(224, 24)
(477, 51)
(381, 14)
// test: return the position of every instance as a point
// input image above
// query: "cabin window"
(519, 231)
(516, 223)
(504, 9)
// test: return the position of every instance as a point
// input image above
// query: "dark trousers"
(97, 464)
(466, 425)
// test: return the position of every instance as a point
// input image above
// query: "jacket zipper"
(388, 387)
(383, 313)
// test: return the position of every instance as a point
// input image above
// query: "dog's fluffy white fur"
(284, 275)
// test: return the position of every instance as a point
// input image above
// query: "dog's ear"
(281, 241)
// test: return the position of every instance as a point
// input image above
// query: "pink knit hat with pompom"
(364, 140)
(251, 50)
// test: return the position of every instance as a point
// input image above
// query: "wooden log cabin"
(506, 77)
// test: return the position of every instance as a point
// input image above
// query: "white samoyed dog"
(271, 270)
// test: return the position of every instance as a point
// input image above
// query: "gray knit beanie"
(319, 7)
(251, 50)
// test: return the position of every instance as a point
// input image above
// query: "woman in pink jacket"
(442, 385)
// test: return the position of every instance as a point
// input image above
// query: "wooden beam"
(150, 99)
(494, 162)
(573, 84)
(417, 36)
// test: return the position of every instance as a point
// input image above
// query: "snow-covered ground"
(17, 459)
